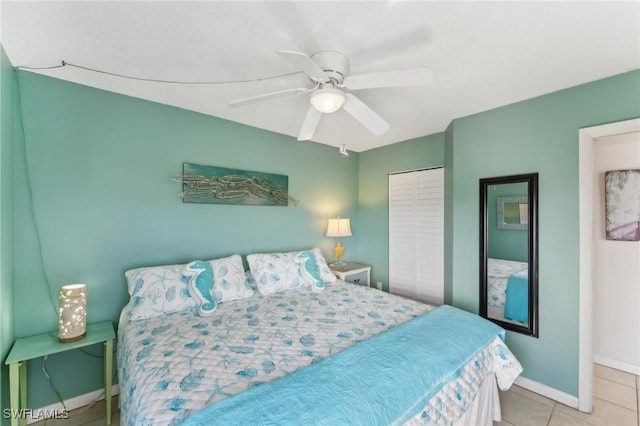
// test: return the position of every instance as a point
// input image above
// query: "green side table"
(26, 348)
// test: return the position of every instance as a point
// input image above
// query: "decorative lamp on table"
(339, 227)
(72, 319)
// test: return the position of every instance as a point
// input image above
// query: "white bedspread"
(172, 366)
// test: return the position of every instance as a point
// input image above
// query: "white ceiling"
(483, 54)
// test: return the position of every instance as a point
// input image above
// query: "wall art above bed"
(220, 185)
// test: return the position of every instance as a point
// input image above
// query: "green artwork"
(511, 213)
(219, 185)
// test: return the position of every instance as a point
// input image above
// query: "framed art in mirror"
(513, 212)
(509, 252)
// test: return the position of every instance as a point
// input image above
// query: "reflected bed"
(508, 290)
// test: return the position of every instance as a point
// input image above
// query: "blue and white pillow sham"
(161, 290)
(158, 290)
(229, 277)
(276, 272)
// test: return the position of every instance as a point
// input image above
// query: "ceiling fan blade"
(309, 125)
(267, 96)
(365, 115)
(399, 78)
(305, 64)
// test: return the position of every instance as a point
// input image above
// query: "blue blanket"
(386, 379)
(516, 306)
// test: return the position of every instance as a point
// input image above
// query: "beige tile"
(559, 418)
(614, 375)
(535, 396)
(520, 410)
(86, 414)
(503, 423)
(615, 392)
(604, 414)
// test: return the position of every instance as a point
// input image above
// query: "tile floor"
(616, 402)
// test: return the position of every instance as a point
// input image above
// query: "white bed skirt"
(486, 406)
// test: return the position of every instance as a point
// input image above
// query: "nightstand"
(26, 348)
(355, 273)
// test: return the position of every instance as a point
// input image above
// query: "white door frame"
(586, 144)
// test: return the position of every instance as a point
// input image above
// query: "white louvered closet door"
(416, 234)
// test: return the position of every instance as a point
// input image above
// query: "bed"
(508, 290)
(305, 355)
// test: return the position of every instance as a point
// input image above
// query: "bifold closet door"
(416, 234)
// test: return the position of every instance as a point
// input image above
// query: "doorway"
(588, 137)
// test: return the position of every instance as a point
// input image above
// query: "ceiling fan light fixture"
(327, 100)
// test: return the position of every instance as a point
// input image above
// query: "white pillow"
(229, 279)
(157, 290)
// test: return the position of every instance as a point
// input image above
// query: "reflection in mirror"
(508, 252)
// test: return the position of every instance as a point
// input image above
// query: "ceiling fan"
(329, 73)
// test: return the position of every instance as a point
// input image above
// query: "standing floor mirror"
(509, 252)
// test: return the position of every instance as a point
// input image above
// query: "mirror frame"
(532, 191)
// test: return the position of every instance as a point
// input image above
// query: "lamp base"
(338, 250)
(72, 339)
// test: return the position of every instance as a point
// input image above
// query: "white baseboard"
(618, 365)
(74, 403)
(549, 392)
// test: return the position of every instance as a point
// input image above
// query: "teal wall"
(100, 164)
(7, 118)
(509, 244)
(373, 195)
(536, 135)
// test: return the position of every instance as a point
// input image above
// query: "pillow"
(201, 286)
(157, 290)
(309, 268)
(251, 283)
(325, 273)
(276, 272)
(229, 279)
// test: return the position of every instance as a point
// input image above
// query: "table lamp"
(72, 318)
(339, 227)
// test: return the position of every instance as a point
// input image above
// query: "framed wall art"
(513, 212)
(622, 204)
(220, 185)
